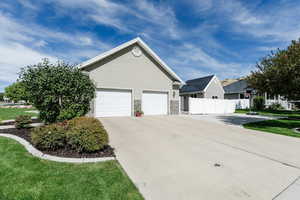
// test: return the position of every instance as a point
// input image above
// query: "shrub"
(86, 134)
(259, 103)
(50, 137)
(276, 106)
(59, 91)
(23, 121)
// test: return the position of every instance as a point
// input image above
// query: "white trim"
(124, 45)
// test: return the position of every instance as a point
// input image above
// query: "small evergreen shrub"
(259, 103)
(50, 137)
(86, 134)
(23, 121)
(276, 106)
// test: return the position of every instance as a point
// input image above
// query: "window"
(214, 97)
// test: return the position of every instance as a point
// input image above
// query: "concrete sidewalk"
(180, 158)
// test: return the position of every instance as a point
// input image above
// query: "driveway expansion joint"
(287, 188)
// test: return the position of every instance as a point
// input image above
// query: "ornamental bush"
(259, 103)
(81, 134)
(86, 134)
(275, 106)
(49, 137)
(23, 121)
(59, 91)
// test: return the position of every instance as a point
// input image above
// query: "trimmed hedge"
(82, 134)
(50, 137)
(86, 134)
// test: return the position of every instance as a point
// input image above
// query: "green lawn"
(281, 126)
(24, 177)
(282, 113)
(12, 113)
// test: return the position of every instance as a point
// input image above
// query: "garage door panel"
(155, 103)
(113, 103)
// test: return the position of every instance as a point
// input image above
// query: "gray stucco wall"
(214, 89)
(123, 70)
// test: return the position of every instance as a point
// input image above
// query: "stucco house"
(238, 90)
(204, 87)
(131, 77)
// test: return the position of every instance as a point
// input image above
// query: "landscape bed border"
(35, 152)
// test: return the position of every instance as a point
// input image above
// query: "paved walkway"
(180, 158)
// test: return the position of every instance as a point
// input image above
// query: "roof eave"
(122, 46)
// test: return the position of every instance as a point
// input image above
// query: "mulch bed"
(13, 123)
(107, 151)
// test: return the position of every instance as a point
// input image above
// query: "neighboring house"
(204, 87)
(130, 78)
(238, 90)
(241, 90)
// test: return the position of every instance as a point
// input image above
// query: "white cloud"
(14, 56)
(192, 62)
(21, 45)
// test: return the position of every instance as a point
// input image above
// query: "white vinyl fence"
(241, 103)
(211, 106)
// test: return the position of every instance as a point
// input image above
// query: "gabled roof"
(197, 85)
(127, 44)
(237, 87)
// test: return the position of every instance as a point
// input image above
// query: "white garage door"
(155, 103)
(113, 103)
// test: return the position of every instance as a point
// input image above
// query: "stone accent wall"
(137, 105)
(174, 107)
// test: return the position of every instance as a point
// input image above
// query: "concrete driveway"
(232, 119)
(180, 158)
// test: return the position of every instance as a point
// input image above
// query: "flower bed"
(79, 138)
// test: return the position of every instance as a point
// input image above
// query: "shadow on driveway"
(232, 119)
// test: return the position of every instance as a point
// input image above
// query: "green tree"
(59, 91)
(1, 96)
(16, 92)
(279, 73)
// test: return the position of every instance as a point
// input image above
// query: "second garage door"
(113, 103)
(155, 103)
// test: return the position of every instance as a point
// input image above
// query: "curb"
(33, 151)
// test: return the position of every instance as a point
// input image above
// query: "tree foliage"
(1, 96)
(16, 92)
(279, 73)
(59, 91)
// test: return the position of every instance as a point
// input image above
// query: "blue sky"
(194, 37)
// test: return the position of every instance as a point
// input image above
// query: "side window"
(214, 97)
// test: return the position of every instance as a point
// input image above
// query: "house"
(204, 87)
(130, 78)
(238, 89)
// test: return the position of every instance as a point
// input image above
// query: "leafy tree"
(1, 96)
(279, 73)
(59, 91)
(16, 92)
